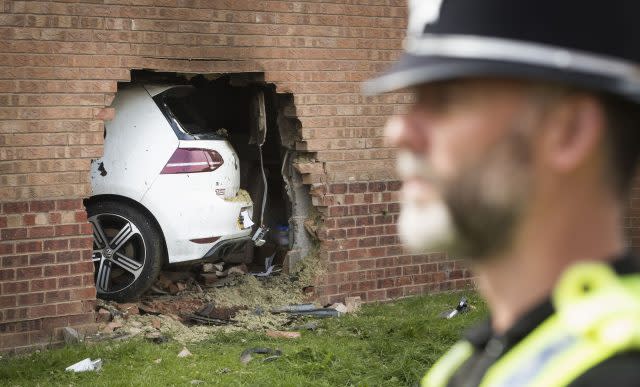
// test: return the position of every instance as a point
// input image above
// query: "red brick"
(56, 296)
(57, 270)
(14, 340)
(8, 301)
(15, 261)
(69, 282)
(367, 242)
(42, 259)
(410, 270)
(42, 206)
(394, 185)
(364, 220)
(81, 243)
(29, 273)
(15, 208)
(338, 211)
(42, 311)
(12, 234)
(377, 186)
(85, 229)
(344, 267)
(28, 247)
(67, 205)
(81, 216)
(15, 314)
(31, 299)
(67, 229)
(338, 188)
(357, 187)
(338, 256)
(83, 294)
(388, 240)
(68, 256)
(345, 222)
(336, 234)
(56, 244)
(366, 264)
(41, 232)
(81, 267)
(43, 284)
(15, 287)
(29, 219)
(7, 275)
(68, 308)
(7, 248)
(356, 232)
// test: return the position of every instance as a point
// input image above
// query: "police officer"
(519, 151)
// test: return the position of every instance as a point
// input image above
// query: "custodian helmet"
(587, 43)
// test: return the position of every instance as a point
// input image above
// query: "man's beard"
(477, 211)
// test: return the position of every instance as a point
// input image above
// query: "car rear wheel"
(127, 250)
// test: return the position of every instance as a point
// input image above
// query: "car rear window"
(186, 108)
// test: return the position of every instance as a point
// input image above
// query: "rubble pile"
(188, 306)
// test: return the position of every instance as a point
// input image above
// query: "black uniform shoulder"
(622, 370)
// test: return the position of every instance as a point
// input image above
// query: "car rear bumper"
(197, 214)
(227, 247)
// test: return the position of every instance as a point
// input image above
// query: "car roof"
(155, 89)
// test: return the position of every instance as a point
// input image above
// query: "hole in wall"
(257, 122)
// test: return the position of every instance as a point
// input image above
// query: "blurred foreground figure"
(519, 153)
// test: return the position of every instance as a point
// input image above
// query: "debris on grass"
(353, 304)
(195, 310)
(462, 307)
(339, 306)
(184, 353)
(294, 308)
(85, 365)
(310, 326)
(247, 354)
(283, 334)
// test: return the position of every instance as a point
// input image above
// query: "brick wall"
(363, 252)
(59, 67)
(46, 274)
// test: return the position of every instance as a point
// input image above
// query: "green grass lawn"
(389, 344)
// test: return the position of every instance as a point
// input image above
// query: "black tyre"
(127, 250)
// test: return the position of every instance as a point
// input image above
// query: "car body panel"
(138, 143)
(196, 212)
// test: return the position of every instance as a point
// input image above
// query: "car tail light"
(191, 160)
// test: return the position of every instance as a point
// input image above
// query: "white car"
(167, 190)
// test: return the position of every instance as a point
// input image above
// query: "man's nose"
(404, 133)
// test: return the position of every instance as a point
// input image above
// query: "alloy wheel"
(119, 252)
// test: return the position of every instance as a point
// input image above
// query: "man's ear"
(573, 132)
